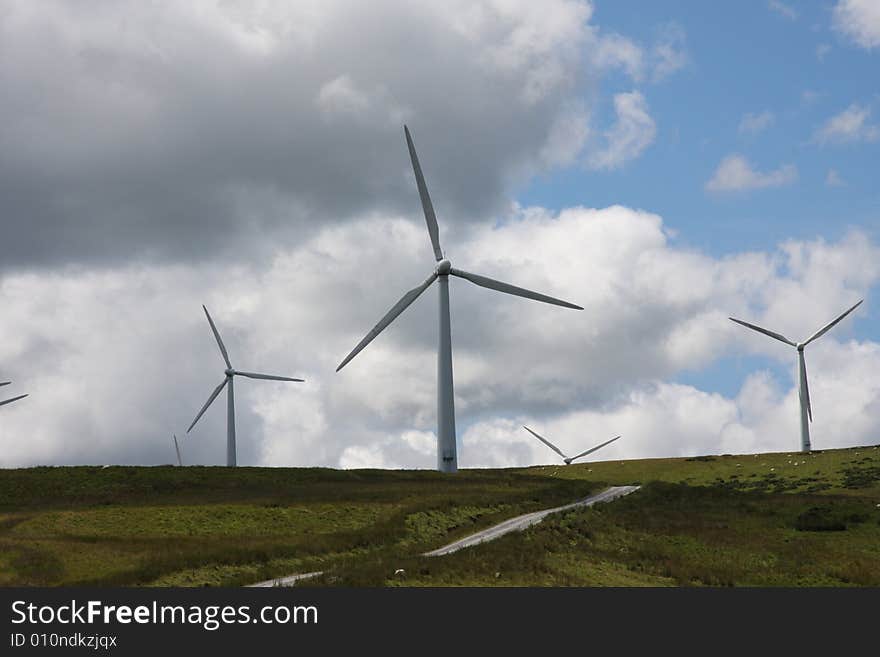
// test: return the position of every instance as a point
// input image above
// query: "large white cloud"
(116, 359)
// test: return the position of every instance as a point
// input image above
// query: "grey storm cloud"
(191, 131)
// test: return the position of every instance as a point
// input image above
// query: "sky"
(665, 165)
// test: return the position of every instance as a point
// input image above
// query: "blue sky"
(742, 58)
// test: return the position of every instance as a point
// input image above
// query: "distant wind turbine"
(177, 450)
(569, 459)
(9, 401)
(230, 398)
(803, 388)
(447, 459)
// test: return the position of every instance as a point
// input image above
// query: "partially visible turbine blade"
(492, 284)
(270, 377)
(546, 442)
(398, 308)
(9, 401)
(177, 449)
(430, 218)
(822, 331)
(805, 387)
(208, 403)
(5, 383)
(778, 336)
(219, 341)
(590, 451)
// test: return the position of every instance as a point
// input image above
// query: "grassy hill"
(766, 519)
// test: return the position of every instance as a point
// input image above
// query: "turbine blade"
(546, 442)
(9, 401)
(430, 218)
(219, 341)
(208, 403)
(593, 449)
(270, 377)
(778, 336)
(492, 284)
(805, 387)
(822, 331)
(398, 308)
(177, 450)
(5, 383)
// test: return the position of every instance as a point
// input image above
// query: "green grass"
(218, 526)
(764, 520)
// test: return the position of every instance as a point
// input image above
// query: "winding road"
(520, 523)
(516, 524)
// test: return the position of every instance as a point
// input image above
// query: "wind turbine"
(230, 397)
(447, 460)
(569, 459)
(177, 450)
(803, 388)
(9, 401)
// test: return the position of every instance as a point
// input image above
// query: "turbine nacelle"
(230, 372)
(443, 268)
(800, 346)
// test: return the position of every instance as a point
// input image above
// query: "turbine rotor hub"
(230, 372)
(443, 267)
(800, 346)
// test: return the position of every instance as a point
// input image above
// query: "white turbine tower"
(230, 398)
(9, 401)
(569, 459)
(803, 387)
(177, 450)
(447, 459)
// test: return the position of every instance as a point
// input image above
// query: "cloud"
(117, 358)
(173, 132)
(667, 54)
(833, 179)
(784, 10)
(669, 51)
(614, 51)
(822, 51)
(627, 138)
(859, 20)
(851, 125)
(735, 173)
(752, 124)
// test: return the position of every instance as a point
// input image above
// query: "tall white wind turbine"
(447, 459)
(9, 401)
(230, 396)
(803, 387)
(569, 459)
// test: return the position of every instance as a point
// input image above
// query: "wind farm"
(634, 183)
(239, 526)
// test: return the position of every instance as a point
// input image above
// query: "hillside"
(766, 519)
